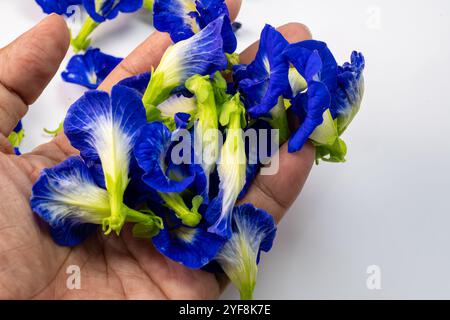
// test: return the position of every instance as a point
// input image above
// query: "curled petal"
(184, 18)
(310, 67)
(350, 90)
(151, 150)
(266, 78)
(58, 6)
(192, 247)
(90, 69)
(309, 107)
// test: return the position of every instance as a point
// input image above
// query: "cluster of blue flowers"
(126, 171)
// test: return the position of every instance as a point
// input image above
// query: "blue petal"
(309, 107)
(89, 117)
(90, 69)
(256, 224)
(184, 18)
(101, 10)
(58, 6)
(266, 78)
(182, 120)
(70, 235)
(67, 198)
(151, 151)
(192, 247)
(138, 83)
(18, 127)
(175, 17)
(299, 53)
(350, 87)
(201, 54)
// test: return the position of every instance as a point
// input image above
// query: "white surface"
(388, 205)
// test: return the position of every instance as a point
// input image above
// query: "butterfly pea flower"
(266, 79)
(152, 155)
(99, 11)
(16, 137)
(321, 107)
(70, 201)
(58, 6)
(184, 18)
(201, 54)
(253, 231)
(231, 167)
(104, 129)
(90, 69)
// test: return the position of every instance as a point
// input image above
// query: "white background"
(389, 204)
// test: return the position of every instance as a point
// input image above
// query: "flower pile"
(166, 150)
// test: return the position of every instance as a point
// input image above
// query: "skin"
(31, 265)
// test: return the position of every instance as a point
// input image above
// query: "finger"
(150, 52)
(276, 193)
(26, 67)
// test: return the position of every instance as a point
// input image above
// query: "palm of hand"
(111, 267)
(31, 265)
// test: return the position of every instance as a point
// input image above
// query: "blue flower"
(154, 156)
(90, 69)
(58, 6)
(73, 204)
(201, 54)
(101, 10)
(264, 80)
(68, 198)
(151, 153)
(191, 247)
(330, 101)
(253, 231)
(184, 18)
(104, 130)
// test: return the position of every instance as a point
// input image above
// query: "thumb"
(26, 67)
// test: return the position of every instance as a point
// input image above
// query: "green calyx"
(147, 224)
(116, 187)
(326, 138)
(155, 93)
(15, 138)
(81, 42)
(189, 217)
(279, 121)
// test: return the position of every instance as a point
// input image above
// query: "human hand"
(31, 265)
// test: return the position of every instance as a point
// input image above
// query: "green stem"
(81, 41)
